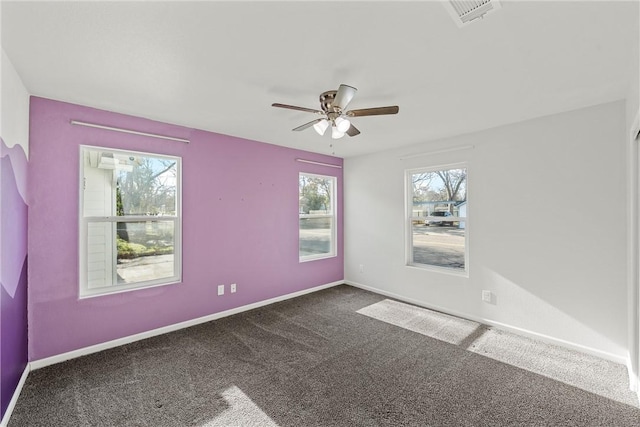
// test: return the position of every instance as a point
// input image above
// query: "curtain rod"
(134, 132)
(444, 150)
(319, 163)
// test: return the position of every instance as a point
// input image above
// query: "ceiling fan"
(333, 104)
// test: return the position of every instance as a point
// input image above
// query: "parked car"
(438, 222)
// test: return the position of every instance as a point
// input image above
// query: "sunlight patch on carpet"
(453, 330)
(241, 411)
(589, 373)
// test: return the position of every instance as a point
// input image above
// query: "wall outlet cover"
(486, 296)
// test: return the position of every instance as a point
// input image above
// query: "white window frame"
(84, 221)
(333, 252)
(410, 218)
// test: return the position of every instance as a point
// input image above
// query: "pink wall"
(240, 225)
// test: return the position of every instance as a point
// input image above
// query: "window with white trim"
(317, 216)
(437, 217)
(130, 225)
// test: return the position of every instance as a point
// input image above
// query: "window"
(436, 219)
(129, 220)
(317, 223)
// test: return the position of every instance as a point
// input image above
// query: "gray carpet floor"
(338, 357)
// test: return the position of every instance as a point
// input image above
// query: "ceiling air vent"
(465, 11)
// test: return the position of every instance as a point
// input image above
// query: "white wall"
(547, 228)
(98, 200)
(633, 115)
(14, 107)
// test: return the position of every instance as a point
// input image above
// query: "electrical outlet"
(361, 268)
(220, 289)
(486, 296)
(233, 288)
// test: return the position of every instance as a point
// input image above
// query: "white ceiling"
(219, 66)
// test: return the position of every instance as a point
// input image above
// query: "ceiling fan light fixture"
(342, 124)
(321, 126)
(333, 111)
(335, 133)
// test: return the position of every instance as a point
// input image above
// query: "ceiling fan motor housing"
(326, 101)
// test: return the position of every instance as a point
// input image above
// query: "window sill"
(316, 257)
(443, 270)
(106, 292)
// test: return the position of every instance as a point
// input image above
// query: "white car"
(438, 222)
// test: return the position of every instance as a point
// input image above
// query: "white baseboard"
(41, 363)
(14, 398)
(503, 326)
(634, 381)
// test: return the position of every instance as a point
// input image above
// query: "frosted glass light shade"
(321, 126)
(343, 125)
(335, 133)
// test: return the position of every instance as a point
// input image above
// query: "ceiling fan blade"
(373, 111)
(344, 96)
(307, 125)
(353, 131)
(293, 107)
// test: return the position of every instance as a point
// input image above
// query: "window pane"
(315, 236)
(438, 191)
(315, 194)
(317, 216)
(438, 196)
(99, 254)
(145, 251)
(438, 246)
(146, 185)
(131, 220)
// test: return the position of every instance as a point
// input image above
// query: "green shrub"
(128, 250)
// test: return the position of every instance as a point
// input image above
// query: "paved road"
(441, 246)
(145, 268)
(315, 241)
